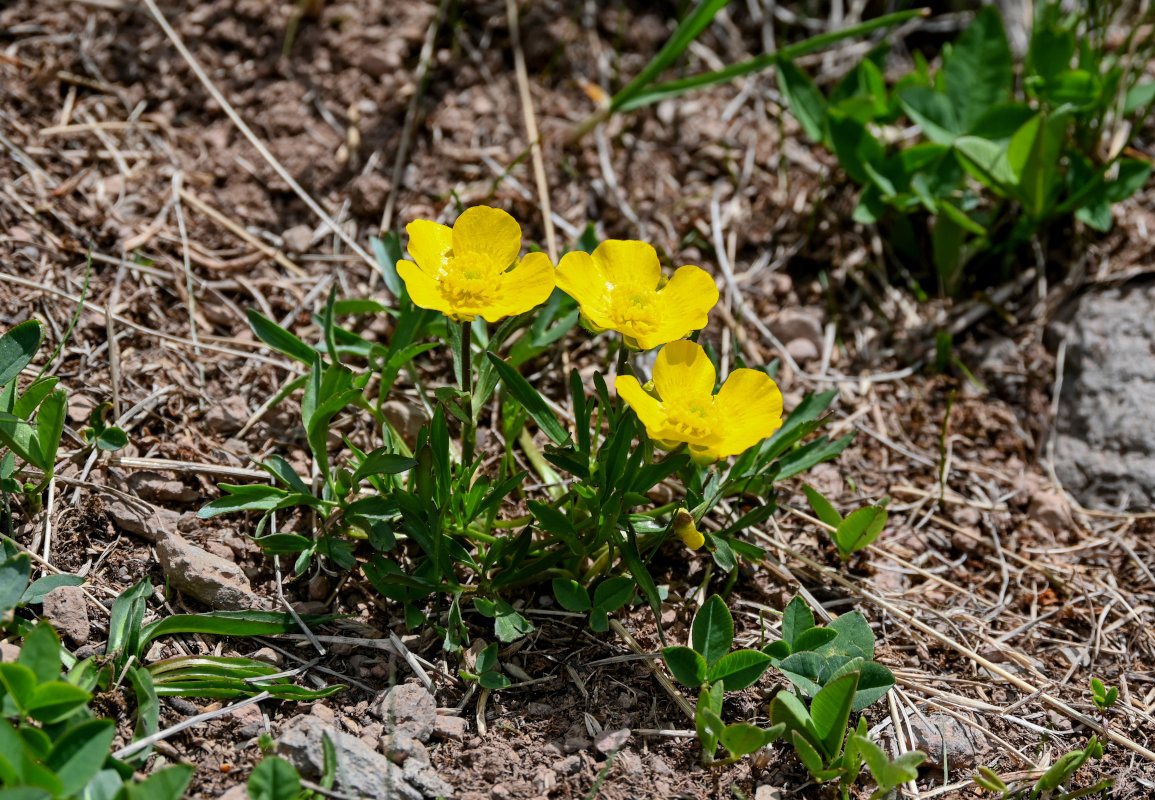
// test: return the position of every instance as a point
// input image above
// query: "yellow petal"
(429, 244)
(648, 409)
(749, 406)
(423, 290)
(683, 372)
(526, 286)
(488, 232)
(579, 276)
(685, 302)
(628, 263)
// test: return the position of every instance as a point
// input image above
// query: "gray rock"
(1105, 428)
(361, 771)
(946, 734)
(9, 652)
(794, 323)
(298, 239)
(215, 581)
(410, 708)
(228, 416)
(238, 792)
(65, 608)
(149, 523)
(450, 727)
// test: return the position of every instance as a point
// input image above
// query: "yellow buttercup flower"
(746, 410)
(620, 288)
(472, 269)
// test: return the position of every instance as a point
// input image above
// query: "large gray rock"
(361, 771)
(1105, 430)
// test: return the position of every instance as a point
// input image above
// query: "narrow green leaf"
(531, 401)
(804, 99)
(686, 32)
(830, 711)
(743, 738)
(279, 339)
(980, 70)
(169, 783)
(859, 529)
(41, 653)
(822, 507)
(42, 586)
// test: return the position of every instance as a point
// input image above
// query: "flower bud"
(686, 530)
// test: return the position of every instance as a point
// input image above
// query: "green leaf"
(124, 626)
(227, 623)
(739, 669)
(1133, 175)
(932, 111)
(1139, 96)
(676, 88)
(797, 618)
(830, 711)
(274, 779)
(17, 349)
(857, 149)
(78, 755)
(855, 638)
(19, 682)
(980, 71)
(493, 680)
(147, 708)
(860, 529)
(169, 783)
(56, 701)
(111, 439)
(380, 462)
(712, 631)
(50, 425)
(743, 738)
(686, 665)
(814, 639)
(34, 395)
(805, 101)
(803, 670)
(825, 511)
(874, 681)
(14, 575)
(987, 161)
(807, 754)
(531, 401)
(888, 774)
(279, 339)
(571, 595)
(42, 586)
(613, 593)
(256, 497)
(387, 249)
(41, 653)
(807, 456)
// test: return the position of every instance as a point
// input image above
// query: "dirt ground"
(995, 599)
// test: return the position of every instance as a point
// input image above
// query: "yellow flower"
(620, 287)
(465, 271)
(746, 410)
(686, 529)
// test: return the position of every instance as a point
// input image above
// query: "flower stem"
(469, 429)
(623, 367)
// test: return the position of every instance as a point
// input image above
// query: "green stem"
(469, 429)
(623, 359)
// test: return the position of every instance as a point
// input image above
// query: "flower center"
(694, 421)
(634, 308)
(470, 280)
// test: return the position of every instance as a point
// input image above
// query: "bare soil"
(112, 142)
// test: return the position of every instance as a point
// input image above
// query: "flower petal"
(489, 232)
(423, 290)
(683, 372)
(526, 286)
(685, 301)
(628, 263)
(649, 410)
(429, 244)
(749, 406)
(579, 276)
